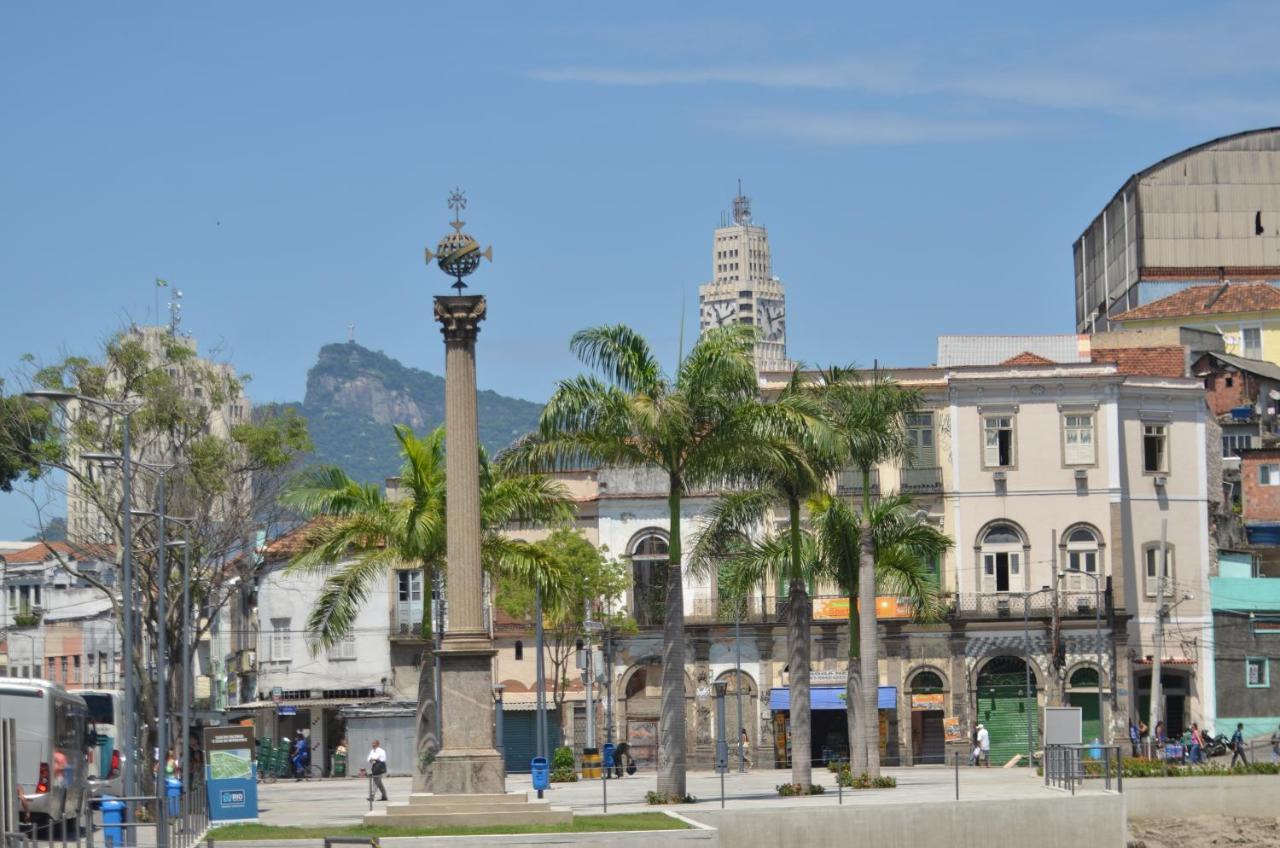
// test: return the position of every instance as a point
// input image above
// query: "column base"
(459, 771)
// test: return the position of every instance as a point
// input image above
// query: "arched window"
(1002, 551)
(927, 681)
(1085, 677)
(649, 561)
(1082, 551)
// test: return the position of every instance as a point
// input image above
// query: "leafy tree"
(802, 458)
(227, 466)
(869, 413)
(590, 581)
(25, 430)
(698, 426)
(362, 533)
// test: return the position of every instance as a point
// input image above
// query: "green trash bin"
(339, 765)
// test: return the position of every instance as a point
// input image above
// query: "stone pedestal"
(468, 763)
(442, 810)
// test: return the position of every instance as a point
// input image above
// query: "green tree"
(699, 427)
(591, 584)
(25, 434)
(869, 413)
(362, 533)
(189, 413)
(802, 457)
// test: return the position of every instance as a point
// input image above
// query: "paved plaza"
(341, 801)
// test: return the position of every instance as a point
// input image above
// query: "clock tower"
(743, 289)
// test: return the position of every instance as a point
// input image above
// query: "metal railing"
(1015, 605)
(850, 482)
(187, 824)
(1067, 767)
(920, 480)
(726, 610)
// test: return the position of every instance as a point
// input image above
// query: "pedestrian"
(744, 744)
(1237, 746)
(1186, 745)
(1143, 733)
(301, 755)
(975, 753)
(378, 767)
(1275, 747)
(1134, 738)
(1197, 744)
(984, 745)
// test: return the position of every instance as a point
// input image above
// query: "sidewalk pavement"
(343, 801)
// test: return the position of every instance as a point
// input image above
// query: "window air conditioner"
(1000, 476)
(1082, 474)
(1160, 481)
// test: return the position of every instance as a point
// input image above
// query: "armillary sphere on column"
(458, 254)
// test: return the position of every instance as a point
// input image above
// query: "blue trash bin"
(112, 818)
(607, 754)
(541, 773)
(173, 791)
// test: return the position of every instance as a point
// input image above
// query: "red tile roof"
(1216, 299)
(1027, 358)
(1148, 361)
(42, 551)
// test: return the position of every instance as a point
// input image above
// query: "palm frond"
(342, 597)
(622, 354)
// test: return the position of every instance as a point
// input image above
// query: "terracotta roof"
(291, 543)
(42, 551)
(1148, 361)
(1027, 358)
(1217, 299)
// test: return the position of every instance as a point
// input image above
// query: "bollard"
(956, 758)
(112, 819)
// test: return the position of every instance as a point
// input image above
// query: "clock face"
(773, 319)
(718, 313)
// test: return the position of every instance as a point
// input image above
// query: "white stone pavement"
(342, 801)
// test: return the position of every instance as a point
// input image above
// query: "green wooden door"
(1003, 707)
(1090, 720)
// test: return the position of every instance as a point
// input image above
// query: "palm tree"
(367, 533)
(801, 461)
(869, 413)
(904, 548)
(699, 427)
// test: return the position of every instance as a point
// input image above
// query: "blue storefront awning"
(831, 698)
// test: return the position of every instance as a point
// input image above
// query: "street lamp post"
(130, 729)
(1033, 707)
(1097, 637)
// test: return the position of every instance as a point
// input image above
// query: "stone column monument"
(468, 778)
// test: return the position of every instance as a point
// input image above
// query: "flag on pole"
(161, 284)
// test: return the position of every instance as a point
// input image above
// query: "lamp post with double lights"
(125, 410)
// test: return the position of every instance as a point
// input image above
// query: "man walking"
(1237, 746)
(378, 767)
(984, 745)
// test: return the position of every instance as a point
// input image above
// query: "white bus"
(106, 759)
(52, 757)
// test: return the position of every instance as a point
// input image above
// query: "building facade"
(1205, 214)
(743, 289)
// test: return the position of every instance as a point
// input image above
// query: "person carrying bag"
(378, 767)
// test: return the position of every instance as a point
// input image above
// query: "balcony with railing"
(728, 610)
(1016, 605)
(919, 481)
(850, 482)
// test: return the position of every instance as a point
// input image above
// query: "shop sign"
(951, 728)
(837, 609)
(928, 702)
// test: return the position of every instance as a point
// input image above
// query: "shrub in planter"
(865, 781)
(562, 758)
(837, 766)
(564, 775)
(789, 790)
(654, 798)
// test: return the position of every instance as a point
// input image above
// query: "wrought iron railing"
(921, 480)
(850, 482)
(1016, 605)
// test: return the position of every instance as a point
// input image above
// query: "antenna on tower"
(175, 312)
(741, 207)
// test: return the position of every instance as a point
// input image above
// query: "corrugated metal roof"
(993, 350)
(1253, 366)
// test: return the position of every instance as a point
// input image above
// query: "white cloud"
(840, 129)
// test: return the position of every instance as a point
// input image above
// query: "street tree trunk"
(798, 649)
(867, 636)
(671, 723)
(427, 735)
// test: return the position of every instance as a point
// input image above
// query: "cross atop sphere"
(458, 254)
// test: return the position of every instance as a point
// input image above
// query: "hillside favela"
(662, 426)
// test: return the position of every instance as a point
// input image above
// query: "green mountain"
(355, 395)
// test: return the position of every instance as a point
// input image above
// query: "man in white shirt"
(984, 743)
(378, 767)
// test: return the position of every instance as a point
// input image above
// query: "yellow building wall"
(1230, 326)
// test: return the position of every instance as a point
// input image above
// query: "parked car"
(106, 758)
(53, 739)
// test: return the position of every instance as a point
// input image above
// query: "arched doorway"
(642, 694)
(1004, 704)
(1083, 692)
(928, 707)
(742, 709)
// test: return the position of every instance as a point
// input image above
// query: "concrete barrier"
(1054, 821)
(1247, 796)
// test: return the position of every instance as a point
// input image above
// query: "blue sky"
(922, 169)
